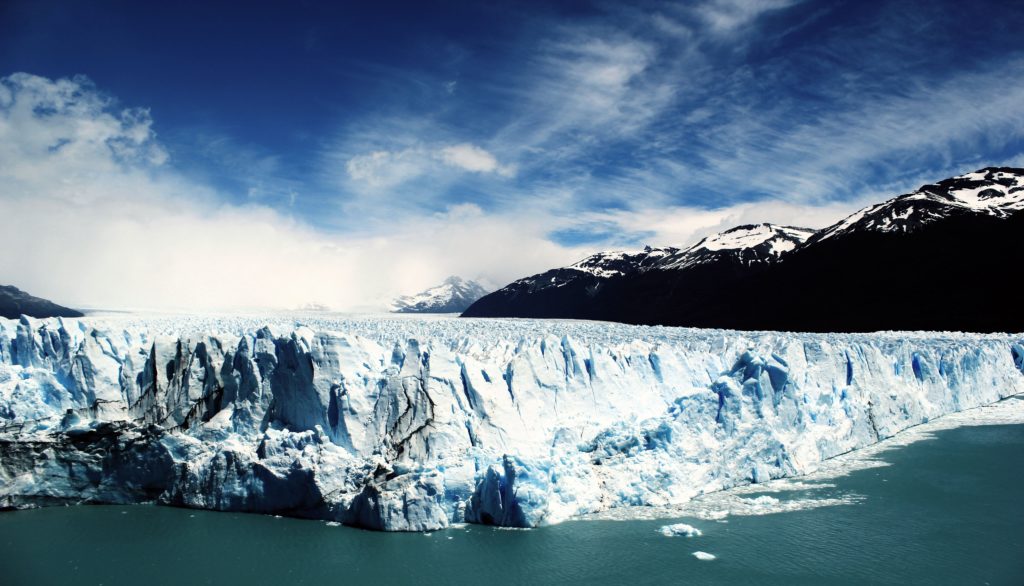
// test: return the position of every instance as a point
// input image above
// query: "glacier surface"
(419, 423)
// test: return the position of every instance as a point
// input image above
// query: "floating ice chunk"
(703, 556)
(680, 529)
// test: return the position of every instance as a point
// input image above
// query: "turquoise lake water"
(950, 510)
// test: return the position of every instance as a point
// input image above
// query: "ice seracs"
(415, 424)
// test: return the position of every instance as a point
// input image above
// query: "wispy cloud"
(384, 169)
(726, 16)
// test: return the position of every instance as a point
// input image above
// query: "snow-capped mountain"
(413, 424)
(590, 288)
(994, 191)
(918, 261)
(618, 263)
(454, 295)
(749, 245)
(14, 302)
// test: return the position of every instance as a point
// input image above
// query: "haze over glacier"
(418, 423)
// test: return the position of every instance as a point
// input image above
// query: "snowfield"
(400, 423)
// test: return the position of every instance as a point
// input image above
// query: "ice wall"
(414, 424)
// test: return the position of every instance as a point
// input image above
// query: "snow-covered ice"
(680, 529)
(416, 424)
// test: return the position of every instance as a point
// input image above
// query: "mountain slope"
(453, 296)
(14, 302)
(996, 192)
(595, 287)
(940, 258)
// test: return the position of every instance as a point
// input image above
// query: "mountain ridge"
(860, 274)
(14, 302)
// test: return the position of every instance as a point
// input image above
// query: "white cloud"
(93, 224)
(473, 158)
(384, 169)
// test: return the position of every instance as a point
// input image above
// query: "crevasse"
(415, 424)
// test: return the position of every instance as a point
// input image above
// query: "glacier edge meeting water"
(415, 424)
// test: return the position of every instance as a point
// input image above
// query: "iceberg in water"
(416, 424)
(680, 529)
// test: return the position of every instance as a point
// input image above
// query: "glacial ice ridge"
(414, 424)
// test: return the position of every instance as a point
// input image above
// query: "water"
(948, 511)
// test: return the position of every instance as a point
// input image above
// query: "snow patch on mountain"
(618, 263)
(748, 244)
(754, 235)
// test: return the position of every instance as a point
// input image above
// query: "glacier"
(415, 424)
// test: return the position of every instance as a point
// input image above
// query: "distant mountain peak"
(453, 295)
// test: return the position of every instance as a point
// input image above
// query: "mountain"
(14, 302)
(452, 296)
(421, 424)
(996, 192)
(594, 287)
(939, 258)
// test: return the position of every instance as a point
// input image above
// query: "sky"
(276, 154)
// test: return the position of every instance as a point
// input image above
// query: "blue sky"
(487, 139)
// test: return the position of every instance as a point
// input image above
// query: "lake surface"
(950, 510)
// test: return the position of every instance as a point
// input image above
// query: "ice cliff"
(415, 424)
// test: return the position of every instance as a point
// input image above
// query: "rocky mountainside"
(14, 302)
(584, 290)
(933, 259)
(455, 295)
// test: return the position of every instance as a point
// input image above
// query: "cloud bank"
(96, 215)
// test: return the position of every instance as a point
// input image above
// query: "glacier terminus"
(418, 423)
